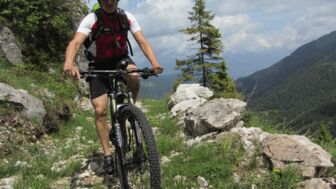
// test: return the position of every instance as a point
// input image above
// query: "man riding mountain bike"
(106, 27)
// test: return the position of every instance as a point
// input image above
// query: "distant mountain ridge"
(297, 85)
(306, 55)
(158, 87)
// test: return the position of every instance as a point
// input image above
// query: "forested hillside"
(43, 28)
(299, 88)
(157, 87)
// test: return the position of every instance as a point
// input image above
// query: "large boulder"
(9, 48)
(28, 105)
(181, 108)
(186, 92)
(219, 114)
(295, 150)
(316, 183)
(251, 138)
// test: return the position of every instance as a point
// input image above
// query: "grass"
(38, 173)
(39, 83)
(216, 162)
(168, 139)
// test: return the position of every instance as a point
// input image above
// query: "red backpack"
(110, 36)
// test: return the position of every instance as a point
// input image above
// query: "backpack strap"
(92, 37)
(123, 20)
(100, 21)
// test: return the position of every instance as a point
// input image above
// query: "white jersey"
(87, 23)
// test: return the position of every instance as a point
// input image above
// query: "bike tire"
(130, 112)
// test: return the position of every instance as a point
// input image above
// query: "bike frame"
(122, 138)
(117, 96)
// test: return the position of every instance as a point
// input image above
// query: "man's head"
(109, 6)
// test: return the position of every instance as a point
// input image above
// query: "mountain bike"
(135, 148)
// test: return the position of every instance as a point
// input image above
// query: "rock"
(186, 92)
(9, 48)
(236, 178)
(22, 164)
(180, 179)
(62, 165)
(165, 160)
(62, 183)
(9, 182)
(181, 108)
(84, 175)
(202, 182)
(315, 183)
(216, 115)
(28, 105)
(199, 139)
(251, 138)
(295, 150)
(14, 131)
(85, 104)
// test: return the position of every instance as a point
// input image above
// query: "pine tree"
(207, 65)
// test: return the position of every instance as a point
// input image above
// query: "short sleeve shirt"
(87, 23)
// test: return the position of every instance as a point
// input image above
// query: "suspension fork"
(116, 128)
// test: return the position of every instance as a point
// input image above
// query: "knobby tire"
(149, 146)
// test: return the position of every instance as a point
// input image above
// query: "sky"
(255, 33)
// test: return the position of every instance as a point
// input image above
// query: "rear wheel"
(142, 165)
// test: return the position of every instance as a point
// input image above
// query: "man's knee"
(100, 112)
(134, 78)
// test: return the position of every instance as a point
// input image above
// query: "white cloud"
(246, 26)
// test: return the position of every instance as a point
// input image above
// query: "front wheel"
(142, 165)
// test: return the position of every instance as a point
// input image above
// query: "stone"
(9, 46)
(180, 179)
(186, 92)
(181, 108)
(165, 160)
(64, 183)
(296, 150)
(28, 105)
(314, 183)
(218, 114)
(9, 182)
(202, 182)
(251, 138)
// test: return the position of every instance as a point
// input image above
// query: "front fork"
(115, 133)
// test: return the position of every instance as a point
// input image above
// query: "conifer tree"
(207, 64)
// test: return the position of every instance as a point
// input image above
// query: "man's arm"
(71, 51)
(148, 51)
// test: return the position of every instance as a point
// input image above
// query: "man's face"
(109, 6)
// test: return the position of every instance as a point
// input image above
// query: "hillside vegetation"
(33, 163)
(299, 90)
(42, 27)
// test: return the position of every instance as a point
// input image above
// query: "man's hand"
(157, 69)
(71, 70)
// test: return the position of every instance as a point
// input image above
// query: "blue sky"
(255, 33)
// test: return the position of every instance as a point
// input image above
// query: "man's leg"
(100, 107)
(133, 82)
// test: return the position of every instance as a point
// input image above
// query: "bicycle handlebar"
(144, 73)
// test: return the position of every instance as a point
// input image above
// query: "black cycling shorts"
(100, 86)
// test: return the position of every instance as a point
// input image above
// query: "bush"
(43, 27)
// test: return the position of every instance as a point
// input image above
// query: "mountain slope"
(157, 87)
(297, 85)
(305, 56)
